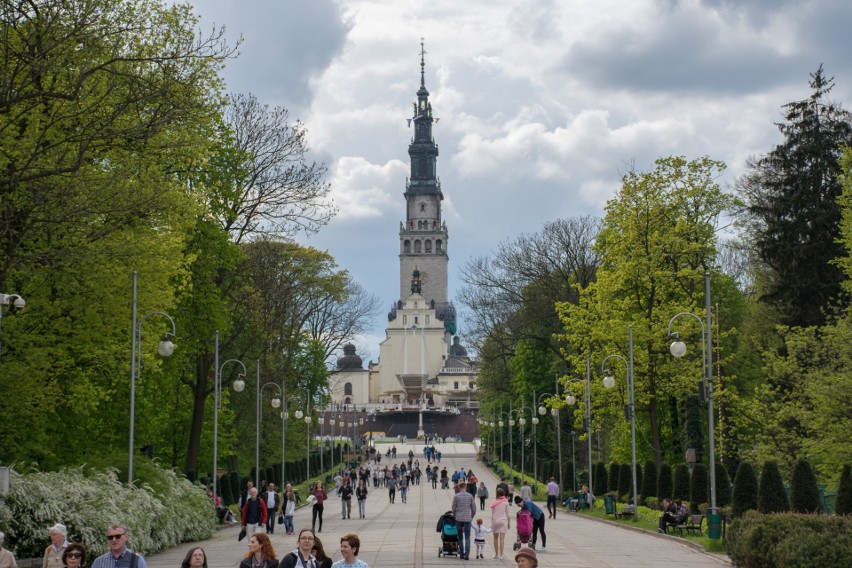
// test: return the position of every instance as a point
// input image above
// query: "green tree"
(745, 490)
(649, 481)
(843, 504)
(771, 496)
(657, 241)
(791, 201)
(664, 481)
(625, 481)
(680, 488)
(108, 104)
(612, 476)
(698, 484)
(804, 492)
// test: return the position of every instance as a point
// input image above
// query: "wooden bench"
(693, 524)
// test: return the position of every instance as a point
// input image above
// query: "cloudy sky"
(543, 104)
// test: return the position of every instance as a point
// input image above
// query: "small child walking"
(479, 532)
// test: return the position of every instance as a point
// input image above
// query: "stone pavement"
(403, 534)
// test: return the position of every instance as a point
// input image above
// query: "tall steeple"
(423, 235)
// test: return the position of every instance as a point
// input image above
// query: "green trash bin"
(714, 526)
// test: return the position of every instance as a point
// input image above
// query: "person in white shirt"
(58, 541)
(7, 559)
(350, 544)
(479, 532)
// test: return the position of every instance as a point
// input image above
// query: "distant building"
(422, 365)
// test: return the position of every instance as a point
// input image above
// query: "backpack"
(525, 522)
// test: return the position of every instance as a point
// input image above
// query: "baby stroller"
(525, 528)
(449, 535)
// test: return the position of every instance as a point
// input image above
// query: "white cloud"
(362, 189)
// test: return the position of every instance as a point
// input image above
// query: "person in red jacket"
(254, 513)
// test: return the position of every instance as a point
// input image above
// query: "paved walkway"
(403, 534)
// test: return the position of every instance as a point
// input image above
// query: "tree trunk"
(199, 400)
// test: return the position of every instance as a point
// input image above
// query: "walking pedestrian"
(319, 495)
(500, 522)
(482, 493)
(118, 556)
(261, 553)
(464, 509)
(538, 521)
(350, 544)
(361, 495)
(552, 495)
(58, 541)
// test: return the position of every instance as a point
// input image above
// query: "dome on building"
(349, 360)
(456, 349)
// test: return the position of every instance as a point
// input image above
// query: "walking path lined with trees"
(404, 534)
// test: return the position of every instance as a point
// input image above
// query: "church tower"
(423, 234)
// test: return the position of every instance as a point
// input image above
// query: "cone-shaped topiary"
(723, 486)
(771, 497)
(680, 489)
(625, 480)
(612, 477)
(649, 481)
(638, 479)
(843, 504)
(600, 479)
(664, 481)
(745, 490)
(698, 483)
(804, 492)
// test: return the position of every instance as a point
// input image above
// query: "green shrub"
(843, 504)
(639, 480)
(664, 481)
(771, 496)
(680, 488)
(698, 483)
(804, 492)
(625, 481)
(160, 513)
(787, 539)
(612, 478)
(745, 490)
(723, 486)
(652, 503)
(649, 481)
(600, 478)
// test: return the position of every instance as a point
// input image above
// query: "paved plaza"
(403, 534)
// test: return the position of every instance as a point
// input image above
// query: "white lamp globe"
(166, 347)
(542, 410)
(511, 422)
(535, 420)
(609, 381)
(276, 402)
(571, 400)
(554, 412)
(299, 414)
(500, 423)
(678, 348)
(239, 384)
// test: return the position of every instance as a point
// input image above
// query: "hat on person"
(527, 552)
(58, 528)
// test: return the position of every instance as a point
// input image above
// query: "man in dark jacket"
(254, 513)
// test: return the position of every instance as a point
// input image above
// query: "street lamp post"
(678, 349)
(239, 386)
(609, 382)
(522, 422)
(571, 400)
(216, 398)
(165, 349)
(535, 440)
(19, 303)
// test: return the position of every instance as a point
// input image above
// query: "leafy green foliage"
(804, 492)
(612, 476)
(788, 540)
(745, 490)
(625, 481)
(771, 496)
(664, 482)
(159, 514)
(791, 195)
(658, 239)
(843, 504)
(698, 484)
(680, 489)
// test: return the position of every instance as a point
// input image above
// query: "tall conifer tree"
(791, 200)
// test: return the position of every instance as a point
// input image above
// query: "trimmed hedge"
(788, 540)
(664, 481)
(745, 490)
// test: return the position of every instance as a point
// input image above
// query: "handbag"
(281, 519)
(242, 534)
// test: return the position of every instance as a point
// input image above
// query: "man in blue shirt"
(538, 520)
(119, 556)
